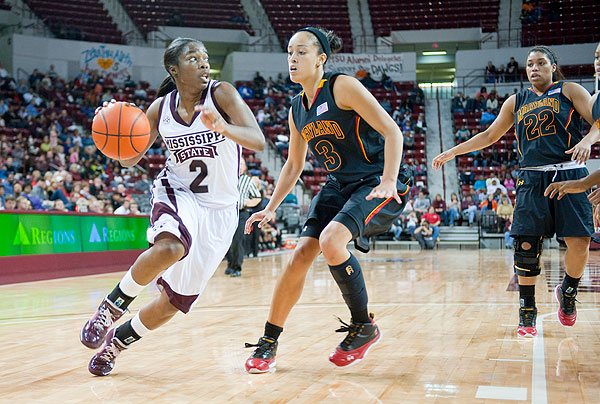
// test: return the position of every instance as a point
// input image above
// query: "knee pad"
(527, 262)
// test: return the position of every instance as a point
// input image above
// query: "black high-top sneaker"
(527, 316)
(262, 359)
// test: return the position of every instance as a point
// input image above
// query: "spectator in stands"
(97, 206)
(463, 134)
(368, 81)
(487, 117)
(23, 203)
(2, 196)
(508, 240)
(500, 74)
(489, 204)
(458, 103)
(505, 209)
(434, 220)
(479, 183)
(59, 206)
(3, 72)
(529, 14)
(387, 83)
(420, 126)
(422, 203)
(482, 92)
(490, 72)
(412, 222)
(439, 206)
(453, 209)
(3, 107)
(134, 209)
(139, 93)
(409, 139)
(36, 203)
(124, 208)
(143, 184)
(508, 182)
(469, 208)
(424, 235)
(512, 70)
(12, 118)
(10, 203)
(385, 103)
(494, 184)
(492, 104)
(481, 196)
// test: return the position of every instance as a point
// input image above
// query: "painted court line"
(502, 393)
(508, 360)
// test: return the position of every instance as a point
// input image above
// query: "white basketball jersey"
(203, 161)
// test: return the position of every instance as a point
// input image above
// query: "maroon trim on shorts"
(182, 302)
(170, 192)
(159, 209)
(214, 100)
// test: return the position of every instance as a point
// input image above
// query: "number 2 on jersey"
(195, 185)
(334, 161)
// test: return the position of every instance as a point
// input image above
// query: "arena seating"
(85, 20)
(575, 24)
(4, 6)
(388, 15)
(149, 14)
(288, 17)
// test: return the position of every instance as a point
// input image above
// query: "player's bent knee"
(170, 250)
(528, 250)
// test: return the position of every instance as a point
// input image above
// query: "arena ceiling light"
(434, 53)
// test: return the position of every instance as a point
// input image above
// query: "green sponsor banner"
(27, 234)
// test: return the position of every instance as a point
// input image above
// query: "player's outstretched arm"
(287, 179)
(243, 129)
(501, 125)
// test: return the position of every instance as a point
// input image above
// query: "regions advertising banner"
(30, 234)
(350, 64)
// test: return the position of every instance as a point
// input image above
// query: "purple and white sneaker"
(94, 331)
(104, 361)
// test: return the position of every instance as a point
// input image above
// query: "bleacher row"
(88, 19)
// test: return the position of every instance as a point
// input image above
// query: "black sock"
(272, 331)
(126, 334)
(120, 299)
(527, 295)
(350, 280)
(569, 284)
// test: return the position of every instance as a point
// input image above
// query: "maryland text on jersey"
(321, 128)
(545, 102)
(194, 145)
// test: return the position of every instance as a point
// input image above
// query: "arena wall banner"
(113, 59)
(32, 234)
(349, 63)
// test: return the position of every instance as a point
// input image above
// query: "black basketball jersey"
(546, 126)
(596, 109)
(342, 142)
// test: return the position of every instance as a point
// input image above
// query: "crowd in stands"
(502, 74)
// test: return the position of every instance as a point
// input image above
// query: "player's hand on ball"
(104, 105)
(565, 187)
(211, 118)
(441, 158)
(265, 216)
(594, 197)
(580, 152)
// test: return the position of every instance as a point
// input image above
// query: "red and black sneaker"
(94, 331)
(104, 361)
(527, 317)
(567, 313)
(361, 337)
(262, 359)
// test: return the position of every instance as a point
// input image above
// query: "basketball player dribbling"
(551, 148)
(194, 215)
(360, 146)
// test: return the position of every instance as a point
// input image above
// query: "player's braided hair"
(552, 57)
(171, 58)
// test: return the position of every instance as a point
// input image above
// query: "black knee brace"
(527, 262)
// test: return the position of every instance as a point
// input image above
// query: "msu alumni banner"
(30, 234)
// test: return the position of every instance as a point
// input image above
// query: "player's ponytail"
(551, 55)
(166, 86)
(335, 42)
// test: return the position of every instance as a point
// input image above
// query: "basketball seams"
(131, 132)
(106, 126)
(119, 133)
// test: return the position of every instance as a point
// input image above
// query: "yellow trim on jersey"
(362, 147)
(567, 126)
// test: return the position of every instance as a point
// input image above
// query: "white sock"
(139, 327)
(130, 287)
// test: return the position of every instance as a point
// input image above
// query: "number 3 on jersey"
(325, 148)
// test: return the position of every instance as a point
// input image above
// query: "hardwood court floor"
(448, 320)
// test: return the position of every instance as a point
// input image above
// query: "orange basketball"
(121, 131)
